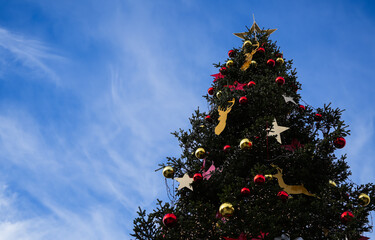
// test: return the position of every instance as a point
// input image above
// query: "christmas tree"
(261, 163)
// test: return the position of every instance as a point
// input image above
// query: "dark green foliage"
(313, 165)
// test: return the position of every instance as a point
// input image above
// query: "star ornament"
(254, 28)
(276, 130)
(185, 181)
(289, 99)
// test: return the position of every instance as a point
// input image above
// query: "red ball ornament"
(302, 108)
(169, 220)
(261, 50)
(197, 177)
(245, 192)
(318, 117)
(271, 62)
(250, 84)
(280, 80)
(231, 53)
(283, 195)
(339, 142)
(259, 179)
(346, 216)
(211, 91)
(208, 118)
(226, 148)
(243, 100)
(223, 70)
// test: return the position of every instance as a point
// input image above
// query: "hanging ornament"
(251, 84)
(339, 142)
(185, 181)
(197, 177)
(346, 217)
(302, 108)
(245, 192)
(249, 57)
(226, 209)
(246, 44)
(219, 94)
(363, 199)
(245, 144)
(223, 114)
(318, 117)
(168, 172)
(231, 53)
(289, 99)
(261, 50)
(229, 63)
(211, 91)
(268, 177)
(200, 153)
(169, 220)
(226, 148)
(280, 80)
(243, 100)
(253, 64)
(276, 130)
(223, 70)
(283, 195)
(271, 62)
(259, 179)
(280, 61)
(208, 118)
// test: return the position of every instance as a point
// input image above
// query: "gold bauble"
(219, 94)
(168, 172)
(280, 60)
(229, 63)
(363, 199)
(247, 43)
(253, 63)
(226, 209)
(200, 153)
(268, 177)
(332, 183)
(245, 144)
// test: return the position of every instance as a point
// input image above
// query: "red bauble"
(261, 50)
(231, 53)
(339, 142)
(211, 91)
(280, 80)
(301, 107)
(283, 195)
(197, 177)
(243, 100)
(346, 216)
(208, 118)
(318, 117)
(169, 220)
(271, 62)
(245, 192)
(259, 179)
(226, 148)
(223, 70)
(251, 83)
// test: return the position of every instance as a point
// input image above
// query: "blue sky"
(90, 91)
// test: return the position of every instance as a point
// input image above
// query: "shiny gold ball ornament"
(364, 199)
(168, 172)
(280, 60)
(200, 153)
(229, 63)
(253, 64)
(219, 94)
(245, 144)
(226, 209)
(247, 43)
(332, 183)
(268, 177)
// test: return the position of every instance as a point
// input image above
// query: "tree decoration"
(280, 80)
(226, 148)
(302, 108)
(268, 177)
(276, 130)
(231, 53)
(253, 64)
(241, 237)
(217, 76)
(259, 179)
(210, 91)
(332, 183)
(286, 237)
(246, 44)
(251, 84)
(280, 61)
(236, 86)
(271, 62)
(169, 220)
(254, 29)
(261, 50)
(295, 144)
(346, 217)
(223, 114)
(249, 57)
(168, 172)
(290, 189)
(226, 209)
(283, 195)
(245, 144)
(229, 63)
(223, 70)
(245, 192)
(197, 177)
(339, 142)
(243, 100)
(200, 153)
(318, 117)
(185, 181)
(208, 118)
(207, 174)
(289, 99)
(363, 199)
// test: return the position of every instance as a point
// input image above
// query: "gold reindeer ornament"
(290, 189)
(223, 114)
(249, 57)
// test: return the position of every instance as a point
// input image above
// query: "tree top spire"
(254, 28)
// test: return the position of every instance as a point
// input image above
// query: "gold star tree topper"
(254, 28)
